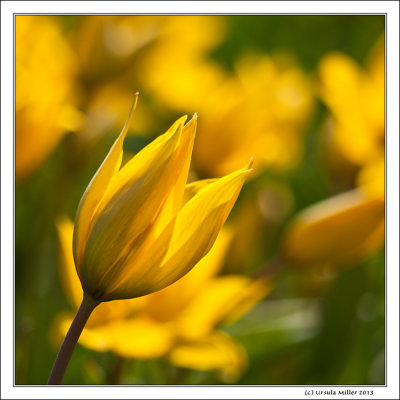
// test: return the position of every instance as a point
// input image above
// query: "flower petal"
(225, 298)
(177, 296)
(69, 278)
(193, 188)
(332, 230)
(96, 190)
(132, 337)
(214, 352)
(175, 198)
(198, 224)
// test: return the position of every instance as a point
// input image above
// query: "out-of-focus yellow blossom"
(134, 50)
(135, 230)
(189, 77)
(178, 322)
(262, 109)
(356, 100)
(337, 231)
(45, 68)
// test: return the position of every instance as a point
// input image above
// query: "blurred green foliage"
(334, 334)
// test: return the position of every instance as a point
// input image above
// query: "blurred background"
(303, 95)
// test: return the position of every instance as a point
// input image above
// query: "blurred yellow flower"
(131, 52)
(356, 100)
(45, 68)
(178, 322)
(340, 230)
(176, 67)
(262, 109)
(136, 231)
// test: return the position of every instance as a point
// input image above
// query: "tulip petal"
(225, 298)
(196, 228)
(174, 200)
(96, 190)
(333, 229)
(198, 224)
(214, 352)
(193, 188)
(69, 277)
(176, 297)
(72, 286)
(132, 337)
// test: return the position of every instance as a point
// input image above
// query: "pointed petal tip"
(129, 119)
(247, 169)
(191, 126)
(134, 103)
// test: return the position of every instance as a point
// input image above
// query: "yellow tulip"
(178, 322)
(339, 230)
(133, 234)
(262, 109)
(356, 100)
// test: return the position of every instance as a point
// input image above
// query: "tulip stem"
(64, 355)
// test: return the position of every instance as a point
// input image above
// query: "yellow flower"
(177, 323)
(337, 231)
(45, 69)
(192, 75)
(262, 109)
(356, 100)
(131, 50)
(136, 231)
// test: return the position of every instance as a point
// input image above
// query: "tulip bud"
(136, 229)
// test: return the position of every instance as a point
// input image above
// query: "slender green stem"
(114, 377)
(64, 355)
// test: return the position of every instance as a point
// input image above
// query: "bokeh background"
(303, 95)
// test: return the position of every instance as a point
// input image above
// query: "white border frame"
(8, 8)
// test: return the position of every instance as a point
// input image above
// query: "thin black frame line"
(385, 186)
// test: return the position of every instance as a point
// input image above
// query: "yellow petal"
(214, 352)
(69, 278)
(135, 337)
(223, 298)
(372, 177)
(174, 200)
(357, 106)
(168, 303)
(72, 286)
(196, 228)
(198, 224)
(96, 190)
(330, 230)
(193, 188)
